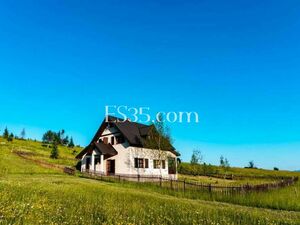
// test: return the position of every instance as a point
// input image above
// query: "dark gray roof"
(135, 133)
(106, 149)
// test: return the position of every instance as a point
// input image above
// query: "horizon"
(236, 65)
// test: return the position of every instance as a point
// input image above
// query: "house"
(120, 147)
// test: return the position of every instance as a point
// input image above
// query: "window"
(156, 164)
(146, 163)
(163, 163)
(141, 163)
(138, 163)
(120, 139)
(112, 140)
(97, 159)
(105, 140)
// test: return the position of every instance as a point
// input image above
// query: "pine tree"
(66, 141)
(23, 134)
(6, 133)
(222, 161)
(227, 163)
(54, 151)
(71, 144)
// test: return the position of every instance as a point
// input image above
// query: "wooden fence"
(184, 185)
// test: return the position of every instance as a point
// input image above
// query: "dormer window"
(120, 139)
(105, 140)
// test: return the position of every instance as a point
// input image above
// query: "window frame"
(156, 164)
(141, 163)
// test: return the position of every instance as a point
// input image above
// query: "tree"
(54, 151)
(159, 139)
(227, 165)
(66, 141)
(10, 137)
(276, 168)
(6, 133)
(222, 161)
(23, 134)
(59, 137)
(48, 137)
(251, 164)
(71, 144)
(197, 157)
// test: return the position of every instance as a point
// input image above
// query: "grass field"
(224, 182)
(33, 194)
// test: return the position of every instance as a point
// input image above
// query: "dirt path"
(28, 156)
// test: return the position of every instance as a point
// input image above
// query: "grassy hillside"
(188, 169)
(36, 151)
(35, 194)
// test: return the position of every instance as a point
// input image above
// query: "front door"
(110, 167)
(87, 163)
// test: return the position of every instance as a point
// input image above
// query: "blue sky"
(236, 63)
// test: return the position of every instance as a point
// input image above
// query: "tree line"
(50, 139)
(58, 138)
(197, 165)
(53, 139)
(9, 136)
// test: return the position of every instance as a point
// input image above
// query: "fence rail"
(184, 185)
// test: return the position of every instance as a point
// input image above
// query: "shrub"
(10, 137)
(54, 151)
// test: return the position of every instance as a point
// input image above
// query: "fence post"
(171, 184)
(138, 178)
(184, 185)
(119, 178)
(160, 181)
(209, 188)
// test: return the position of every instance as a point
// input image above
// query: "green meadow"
(33, 190)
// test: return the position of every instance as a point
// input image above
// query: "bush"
(54, 152)
(10, 137)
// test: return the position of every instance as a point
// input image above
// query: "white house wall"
(124, 160)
